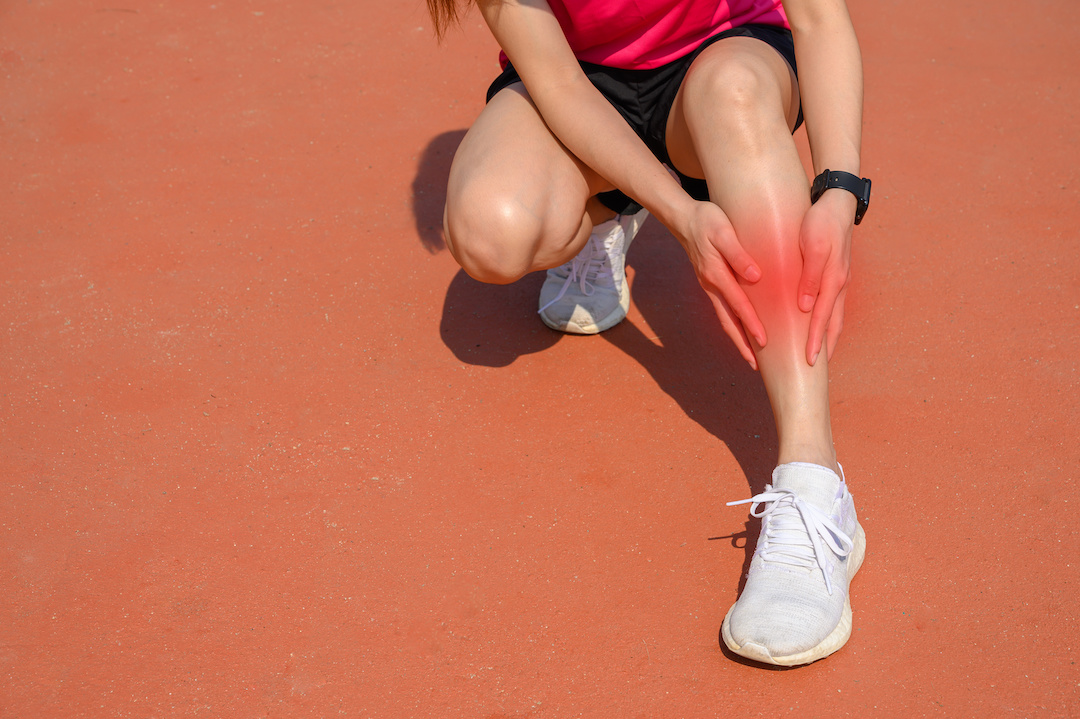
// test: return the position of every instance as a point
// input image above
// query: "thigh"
(512, 182)
(738, 93)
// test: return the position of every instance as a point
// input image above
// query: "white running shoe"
(795, 607)
(589, 294)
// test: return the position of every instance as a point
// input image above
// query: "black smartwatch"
(845, 180)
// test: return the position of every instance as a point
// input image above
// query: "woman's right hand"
(720, 261)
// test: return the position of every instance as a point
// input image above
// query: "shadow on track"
(685, 350)
(429, 188)
(493, 325)
(691, 359)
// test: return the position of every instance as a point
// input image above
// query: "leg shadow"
(691, 358)
(683, 348)
(478, 328)
(429, 189)
(687, 352)
(696, 364)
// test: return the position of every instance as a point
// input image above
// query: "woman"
(598, 100)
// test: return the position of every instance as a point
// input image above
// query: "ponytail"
(446, 13)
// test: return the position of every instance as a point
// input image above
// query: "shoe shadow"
(745, 540)
(429, 188)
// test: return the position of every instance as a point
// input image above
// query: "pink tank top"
(643, 34)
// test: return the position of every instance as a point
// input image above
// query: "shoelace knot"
(796, 532)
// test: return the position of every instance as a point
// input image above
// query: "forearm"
(598, 136)
(830, 81)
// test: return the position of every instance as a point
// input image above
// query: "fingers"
(836, 324)
(742, 262)
(716, 272)
(721, 237)
(815, 257)
(721, 285)
(739, 259)
(820, 320)
(733, 308)
(733, 329)
(721, 262)
(748, 318)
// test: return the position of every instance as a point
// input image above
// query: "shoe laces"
(796, 532)
(590, 266)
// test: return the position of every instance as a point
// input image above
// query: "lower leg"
(798, 392)
(729, 124)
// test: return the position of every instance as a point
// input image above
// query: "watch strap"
(860, 187)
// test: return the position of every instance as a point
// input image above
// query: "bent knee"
(743, 87)
(493, 239)
(735, 88)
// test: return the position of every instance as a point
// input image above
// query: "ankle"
(810, 454)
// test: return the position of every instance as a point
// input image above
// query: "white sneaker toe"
(795, 607)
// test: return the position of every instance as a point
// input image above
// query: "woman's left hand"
(825, 240)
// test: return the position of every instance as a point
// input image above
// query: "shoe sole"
(617, 316)
(836, 639)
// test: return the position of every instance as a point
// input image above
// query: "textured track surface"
(266, 451)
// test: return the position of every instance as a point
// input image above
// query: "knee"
(492, 237)
(734, 93)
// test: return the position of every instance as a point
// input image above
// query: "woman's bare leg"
(731, 124)
(734, 112)
(517, 200)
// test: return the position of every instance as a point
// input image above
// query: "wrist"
(674, 209)
(841, 202)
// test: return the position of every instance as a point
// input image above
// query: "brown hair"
(446, 13)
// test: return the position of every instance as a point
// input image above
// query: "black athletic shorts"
(644, 99)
